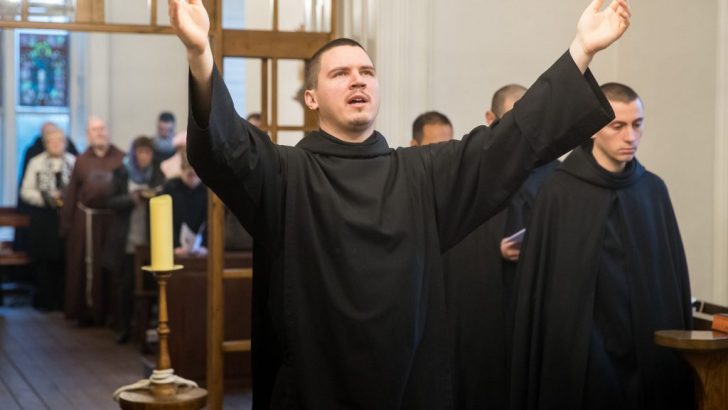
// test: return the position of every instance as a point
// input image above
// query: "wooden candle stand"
(163, 390)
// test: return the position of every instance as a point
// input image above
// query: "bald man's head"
(97, 133)
(503, 101)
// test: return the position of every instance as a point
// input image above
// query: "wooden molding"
(90, 11)
(271, 44)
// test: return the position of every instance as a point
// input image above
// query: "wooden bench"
(9, 217)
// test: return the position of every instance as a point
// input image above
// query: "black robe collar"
(582, 164)
(321, 142)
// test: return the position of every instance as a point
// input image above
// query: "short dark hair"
(166, 116)
(497, 104)
(141, 141)
(313, 65)
(619, 93)
(254, 116)
(430, 117)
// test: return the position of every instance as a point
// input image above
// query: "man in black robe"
(602, 269)
(479, 277)
(348, 291)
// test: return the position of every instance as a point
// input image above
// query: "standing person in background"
(47, 175)
(189, 209)
(430, 128)
(85, 220)
(602, 269)
(21, 238)
(163, 138)
(134, 182)
(479, 275)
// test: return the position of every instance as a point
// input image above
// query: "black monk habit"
(602, 269)
(349, 308)
(479, 286)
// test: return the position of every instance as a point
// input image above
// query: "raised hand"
(191, 23)
(597, 29)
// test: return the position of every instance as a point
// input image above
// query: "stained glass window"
(43, 69)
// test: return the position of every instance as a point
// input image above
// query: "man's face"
(98, 135)
(347, 91)
(165, 129)
(434, 133)
(616, 144)
(144, 156)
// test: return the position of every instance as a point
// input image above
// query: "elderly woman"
(42, 187)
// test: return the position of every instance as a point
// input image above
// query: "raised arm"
(192, 24)
(597, 30)
(234, 159)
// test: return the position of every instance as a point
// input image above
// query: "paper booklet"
(189, 240)
(517, 237)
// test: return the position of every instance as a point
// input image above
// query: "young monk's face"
(616, 144)
(347, 91)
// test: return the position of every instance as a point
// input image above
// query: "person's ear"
(309, 97)
(414, 143)
(490, 118)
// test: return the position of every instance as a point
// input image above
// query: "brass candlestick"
(161, 389)
(163, 385)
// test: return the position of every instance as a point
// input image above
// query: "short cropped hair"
(166, 116)
(497, 104)
(142, 141)
(618, 92)
(313, 66)
(430, 117)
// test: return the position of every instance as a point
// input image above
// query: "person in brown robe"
(85, 221)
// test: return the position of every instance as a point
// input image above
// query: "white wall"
(436, 54)
(132, 78)
(670, 59)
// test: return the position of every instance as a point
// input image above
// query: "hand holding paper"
(510, 247)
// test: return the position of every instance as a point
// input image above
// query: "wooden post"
(216, 245)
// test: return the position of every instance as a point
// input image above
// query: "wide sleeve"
(29, 190)
(677, 254)
(473, 178)
(238, 162)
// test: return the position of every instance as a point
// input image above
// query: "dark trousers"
(50, 276)
(122, 284)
